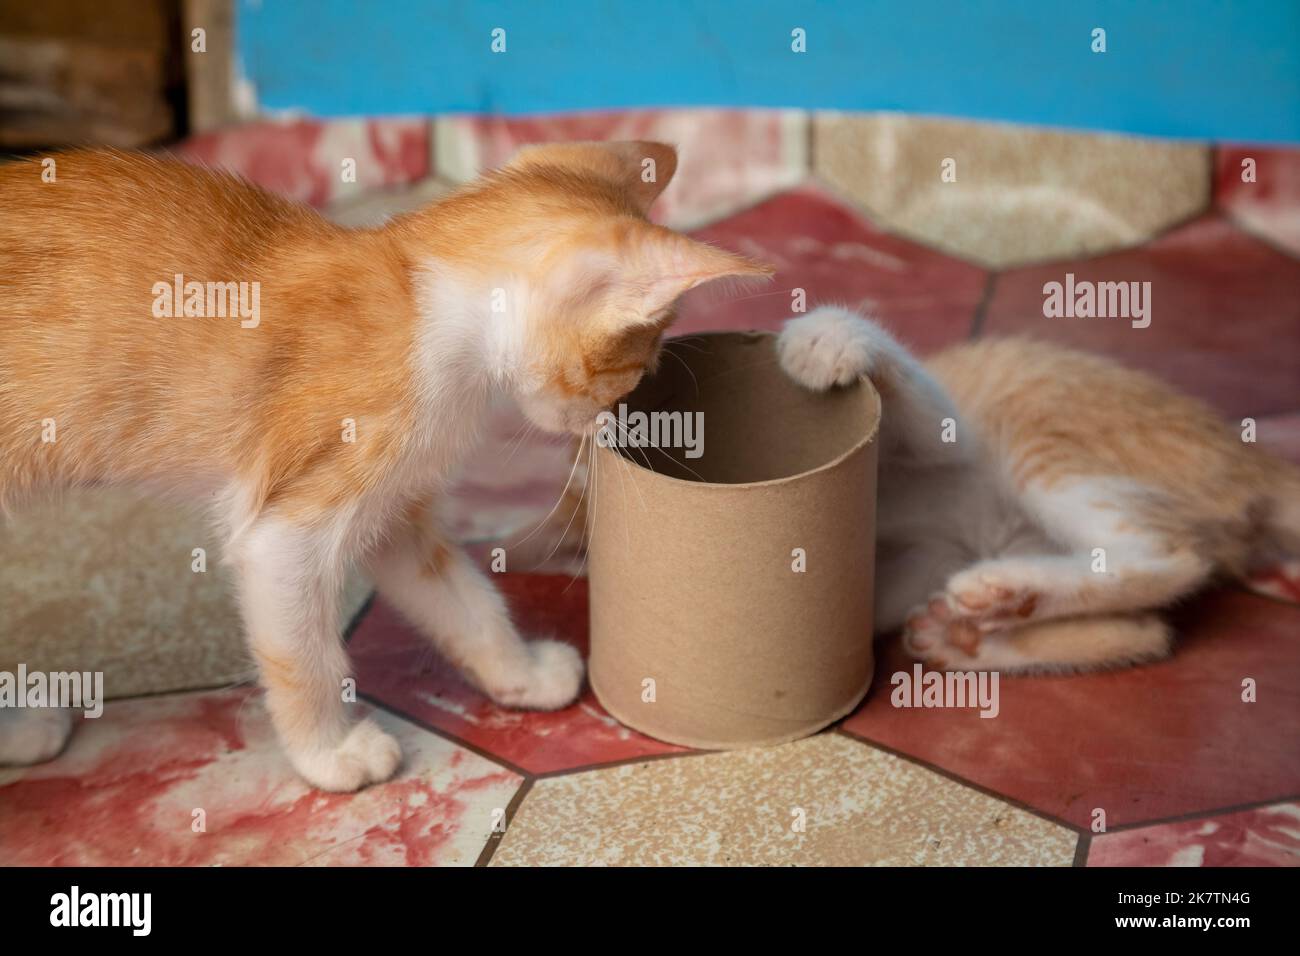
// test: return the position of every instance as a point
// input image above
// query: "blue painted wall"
(1203, 69)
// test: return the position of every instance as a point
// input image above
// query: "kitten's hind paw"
(939, 636)
(994, 594)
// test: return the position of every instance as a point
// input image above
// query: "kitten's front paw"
(366, 755)
(551, 680)
(828, 346)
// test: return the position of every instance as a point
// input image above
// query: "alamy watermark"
(133, 911)
(959, 689)
(651, 430)
(211, 300)
(78, 690)
(1084, 299)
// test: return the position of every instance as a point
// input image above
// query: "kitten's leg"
(454, 604)
(1069, 644)
(1115, 562)
(835, 346)
(33, 735)
(289, 588)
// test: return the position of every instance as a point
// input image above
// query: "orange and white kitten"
(321, 409)
(1073, 498)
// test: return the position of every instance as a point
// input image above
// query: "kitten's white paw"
(33, 735)
(934, 631)
(994, 593)
(943, 634)
(366, 755)
(552, 679)
(830, 346)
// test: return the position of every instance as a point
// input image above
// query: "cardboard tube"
(731, 586)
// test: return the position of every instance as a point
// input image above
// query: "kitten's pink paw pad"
(938, 635)
(991, 600)
(826, 347)
(552, 680)
(927, 630)
(366, 755)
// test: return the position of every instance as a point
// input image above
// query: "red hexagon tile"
(1264, 836)
(1270, 204)
(127, 789)
(727, 159)
(820, 245)
(399, 669)
(1281, 434)
(302, 159)
(1224, 314)
(1145, 743)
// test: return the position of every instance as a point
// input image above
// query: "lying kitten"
(323, 417)
(1075, 498)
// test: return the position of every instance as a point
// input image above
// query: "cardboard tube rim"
(870, 435)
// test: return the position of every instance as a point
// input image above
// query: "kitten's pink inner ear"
(676, 265)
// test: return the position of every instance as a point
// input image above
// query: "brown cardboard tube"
(704, 632)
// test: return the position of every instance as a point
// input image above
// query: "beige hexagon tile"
(102, 580)
(1020, 195)
(861, 806)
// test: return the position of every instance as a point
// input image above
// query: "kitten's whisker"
(676, 461)
(564, 491)
(589, 519)
(689, 371)
(635, 448)
(622, 482)
(522, 425)
(529, 429)
(624, 463)
(565, 533)
(685, 342)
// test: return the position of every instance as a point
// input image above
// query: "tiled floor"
(1160, 765)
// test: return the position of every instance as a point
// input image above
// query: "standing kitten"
(321, 409)
(1077, 497)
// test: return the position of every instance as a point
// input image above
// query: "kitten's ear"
(642, 168)
(664, 265)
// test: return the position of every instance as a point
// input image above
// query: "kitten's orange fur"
(544, 279)
(1070, 499)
